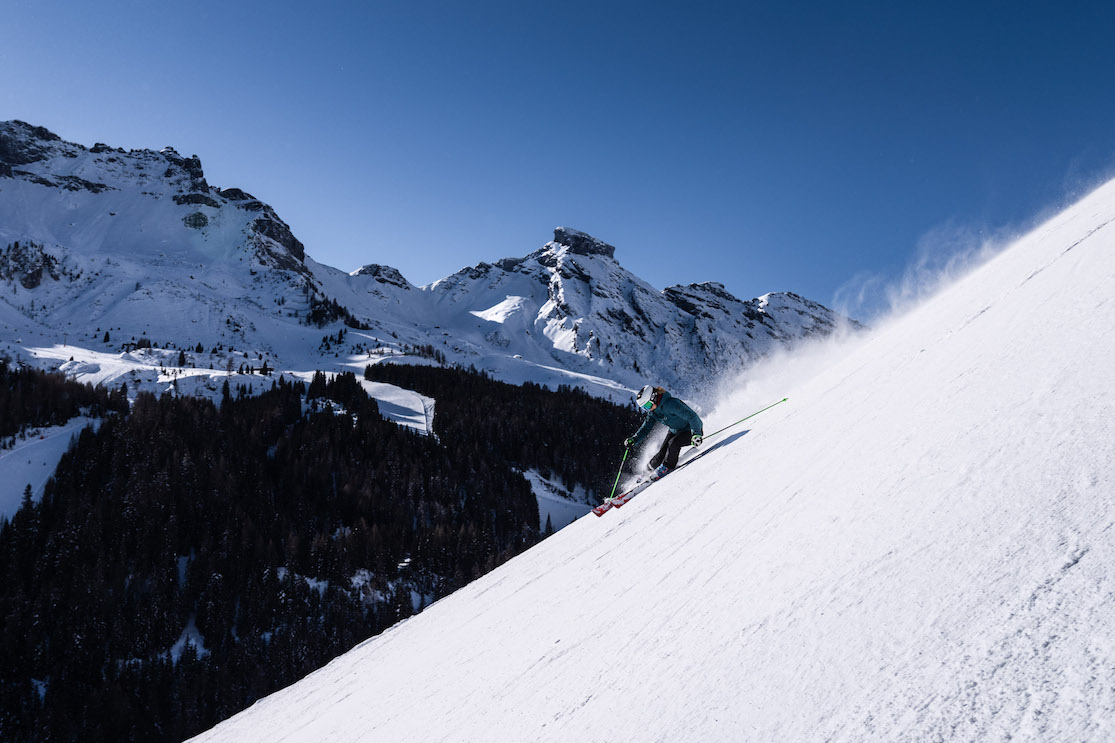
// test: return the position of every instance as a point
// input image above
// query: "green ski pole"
(626, 450)
(741, 420)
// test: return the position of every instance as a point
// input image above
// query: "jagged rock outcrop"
(384, 275)
(190, 166)
(273, 228)
(27, 263)
(235, 194)
(23, 144)
(195, 221)
(581, 243)
(197, 198)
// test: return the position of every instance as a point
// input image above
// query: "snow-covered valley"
(916, 546)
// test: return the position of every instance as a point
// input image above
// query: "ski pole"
(741, 420)
(626, 450)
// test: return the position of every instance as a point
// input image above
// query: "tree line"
(566, 432)
(31, 398)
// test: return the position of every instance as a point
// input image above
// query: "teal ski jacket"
(672, 413)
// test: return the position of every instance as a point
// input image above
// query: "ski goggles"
(648, 405)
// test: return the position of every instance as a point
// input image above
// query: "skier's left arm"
(695, 424)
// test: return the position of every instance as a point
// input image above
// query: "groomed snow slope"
(918, 546)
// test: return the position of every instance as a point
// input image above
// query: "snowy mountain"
(572, 301)
(136, 242)
(101, 248)
(916, 546)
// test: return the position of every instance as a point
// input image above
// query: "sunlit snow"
(917, 546)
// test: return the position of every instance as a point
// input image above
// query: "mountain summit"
(580, 243)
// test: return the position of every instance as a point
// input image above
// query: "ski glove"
(697, 439)
(629, 442)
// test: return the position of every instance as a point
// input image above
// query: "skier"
(685, 427)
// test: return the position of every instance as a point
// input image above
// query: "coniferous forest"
(190, 557)
(29, 397)
(569, 433)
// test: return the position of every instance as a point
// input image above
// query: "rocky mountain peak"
(384, 275)
(21, 143)
(581, 243)
(192, 166)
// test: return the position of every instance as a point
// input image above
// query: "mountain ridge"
(138, 241)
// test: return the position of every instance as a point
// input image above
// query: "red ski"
(622, 498)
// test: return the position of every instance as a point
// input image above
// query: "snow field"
(33, 461)
(917, 546)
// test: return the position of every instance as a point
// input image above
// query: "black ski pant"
(671, 448)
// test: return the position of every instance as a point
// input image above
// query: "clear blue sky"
(773, 146)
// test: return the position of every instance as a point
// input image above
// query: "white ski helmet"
(646, 399)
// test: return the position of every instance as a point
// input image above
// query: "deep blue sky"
(774, 146)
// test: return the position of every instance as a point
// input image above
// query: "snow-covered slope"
(32, 461)
(917, 546)
(137, 244)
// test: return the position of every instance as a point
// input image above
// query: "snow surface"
(190, 636)
(402, 406)
(917, 546)
(556, 502)
(32, 461)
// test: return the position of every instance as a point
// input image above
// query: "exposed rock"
(570, 270)
(195, 221)
(510, 264)
(716, 289)
(27, 263)
(235, 194)
(73, 183)
(197, 198)
(697, 299)
(191, 165)
(479, 271)
(276, 229)
(684, 302)
(384, 275)
(582, 243)
(35, 178)
(21, 143)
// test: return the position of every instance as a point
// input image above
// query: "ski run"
(918, 546)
